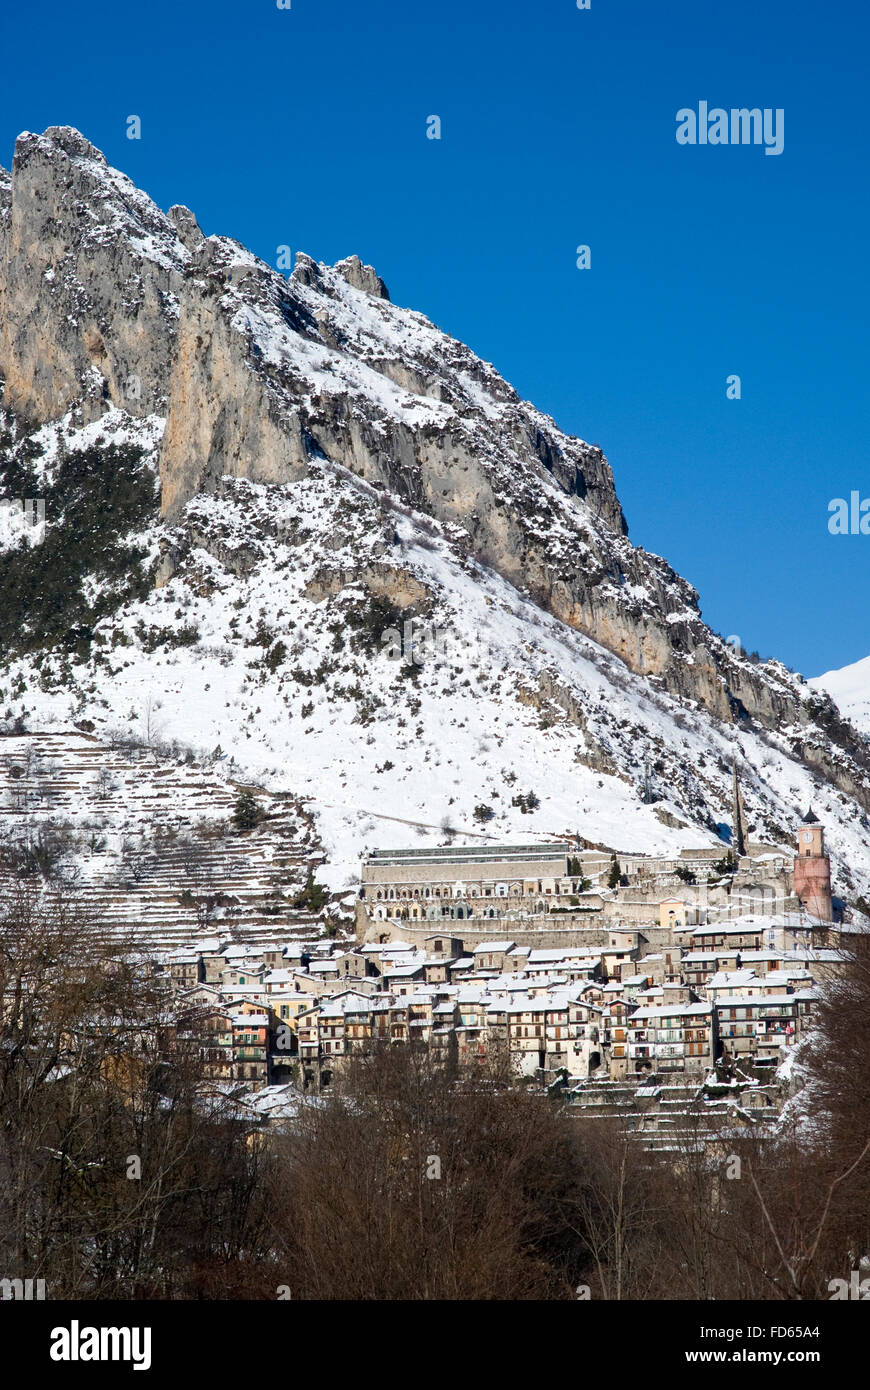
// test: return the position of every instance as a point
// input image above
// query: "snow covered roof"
(342, 1004)
(671, 1011)
(731, 979)
(745, 926)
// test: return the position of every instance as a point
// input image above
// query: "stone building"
(467, 882)
(812, 869)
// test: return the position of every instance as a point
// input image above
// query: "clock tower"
(812, 869)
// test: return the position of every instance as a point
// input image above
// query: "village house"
(491, 955)
(272, 957)
(208, 995)
(436, 971)
(630, 986)
(404, 979)
(758, 1026)
(308, 1040)
(243, 972)
(746, 934)
(185, 969)
(761, 961)
(615, 959)
(462, 968)
(398, 1022)
(211, 953)
(215, 1033)
(331, 1028)
(238, 996)
(527, 1026)
(448, 947)
(726, 984)
(324, 971)
(677, 914)
(674, 1037)
(251, 1047)
(697, 967)
(308, 984)
(276, 979)
(287, 1005)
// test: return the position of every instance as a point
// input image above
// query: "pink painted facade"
(812, 871)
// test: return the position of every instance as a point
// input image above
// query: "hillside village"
(662, 990)
(267, 585)
(605, 876)
(641, 988)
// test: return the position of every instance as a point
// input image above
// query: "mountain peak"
(62, 137)
(109, 304)
(186, 225)
(362, 277)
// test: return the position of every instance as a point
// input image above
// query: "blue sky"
(307, 127)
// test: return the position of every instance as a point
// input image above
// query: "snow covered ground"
(272, 589)
(269, 632)
(849, 688)
(149, 843)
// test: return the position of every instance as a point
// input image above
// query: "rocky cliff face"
(107, 302)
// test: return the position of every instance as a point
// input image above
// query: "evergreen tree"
(248, 812)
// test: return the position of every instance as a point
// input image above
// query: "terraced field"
(148, 842)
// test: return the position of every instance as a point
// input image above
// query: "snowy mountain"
(849, 688)
(291, 519)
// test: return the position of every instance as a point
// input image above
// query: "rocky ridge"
(318, 385)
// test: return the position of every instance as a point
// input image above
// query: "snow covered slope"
(339, 545)
(147, 840)
(343, 648)
(849, 688)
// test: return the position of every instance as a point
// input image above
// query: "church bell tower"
(812, 869)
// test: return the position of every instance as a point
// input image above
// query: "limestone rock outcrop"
(107, 301)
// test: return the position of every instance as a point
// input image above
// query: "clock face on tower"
(808, 837)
